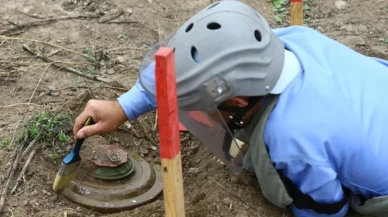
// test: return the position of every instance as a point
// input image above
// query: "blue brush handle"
(74, 154)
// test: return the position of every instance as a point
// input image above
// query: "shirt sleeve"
(137, 102)
(317, 181)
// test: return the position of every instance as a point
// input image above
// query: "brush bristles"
(64, 176)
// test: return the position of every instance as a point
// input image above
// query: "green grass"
(4, 143)
(384, 40)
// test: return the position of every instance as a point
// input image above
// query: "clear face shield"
(208, 124)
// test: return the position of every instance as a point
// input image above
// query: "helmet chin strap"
(236, 121)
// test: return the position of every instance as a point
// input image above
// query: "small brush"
(69, 165)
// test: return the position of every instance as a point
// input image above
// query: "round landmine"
(108, 183)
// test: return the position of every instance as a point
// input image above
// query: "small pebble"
(120, 59)
(144, 151)
(193, 170)
(55, 94)
(129, 11)
(115, 139)
(226, 201)
(110, 71)
(25, 202)
(35, 192)
(340, 4)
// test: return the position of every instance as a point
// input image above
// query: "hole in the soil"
(212, 6)
(194, 54)
(213, 26)
(189, 27)
(257, 35)
(165, 169)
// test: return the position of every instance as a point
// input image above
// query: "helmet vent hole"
(194, 54)
(258, 35)
(212, 6)
(189, 27)
(213, 26)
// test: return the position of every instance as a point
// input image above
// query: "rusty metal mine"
(114, 180)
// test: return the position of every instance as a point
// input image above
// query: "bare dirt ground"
(108, 39)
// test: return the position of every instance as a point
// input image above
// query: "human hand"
(107, 116)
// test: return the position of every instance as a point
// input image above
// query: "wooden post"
(297, 12)
(170, 154)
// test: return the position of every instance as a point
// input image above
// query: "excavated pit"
(111, 180)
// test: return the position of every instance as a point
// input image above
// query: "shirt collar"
(291, 69)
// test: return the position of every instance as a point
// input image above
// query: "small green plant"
(53, 156)
(63, 137)
(123, 36)
(16, 213)
(384, 40)
(90, 69)
(279, 9)
(92, 58)
(50, 126)
(4, 143)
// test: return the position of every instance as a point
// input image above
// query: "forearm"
(136, 102)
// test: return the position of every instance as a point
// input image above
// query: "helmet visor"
(147, 66)
(206, 123)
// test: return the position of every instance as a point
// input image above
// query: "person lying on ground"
(311, 109)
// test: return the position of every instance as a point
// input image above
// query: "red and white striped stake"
(170, 153)
(296, 12)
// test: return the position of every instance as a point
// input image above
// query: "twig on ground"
(32, 16)
(123, 48)
(40, 56)
(130, 127)
(18, 104)
(11, 212)
(68, 107)
(159, 32)
(32, 143)
(22, 173)
(146, 130)
(123, 22)
(156, 122)
(110, 17)
(43, 21)
(51, 44)
(232, 193)
(7, 79)
(10, 177)
(40, 79)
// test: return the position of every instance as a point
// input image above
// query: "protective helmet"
(225, 50)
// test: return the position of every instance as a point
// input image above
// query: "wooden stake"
(169, 135)
(297, 12)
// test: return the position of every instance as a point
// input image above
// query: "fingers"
(79, 122)
(81, 119)
(88, 131)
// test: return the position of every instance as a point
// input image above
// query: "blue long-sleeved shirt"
(328, 128)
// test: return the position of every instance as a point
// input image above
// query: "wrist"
(121, 116)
